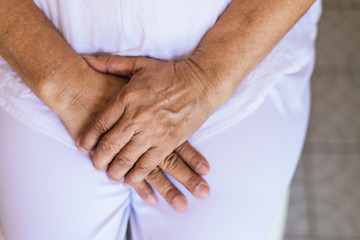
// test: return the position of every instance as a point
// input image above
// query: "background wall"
(325, 193)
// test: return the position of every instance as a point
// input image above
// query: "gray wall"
(325, 193)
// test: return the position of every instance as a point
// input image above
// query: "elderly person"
(229, 76)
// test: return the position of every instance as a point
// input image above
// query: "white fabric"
(160, 29)
(51, 191)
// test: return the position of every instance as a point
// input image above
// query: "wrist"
(215, 86)
(57, 88)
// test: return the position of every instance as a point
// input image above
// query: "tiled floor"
(325, 193)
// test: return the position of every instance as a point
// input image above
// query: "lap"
(252, 164)
(50, 191)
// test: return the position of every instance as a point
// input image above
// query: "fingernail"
(151, 199)
(81, 149)
(126, 185)
(202, 169)
(179, 203)
(202, 190)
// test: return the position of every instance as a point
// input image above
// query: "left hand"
(159, 109)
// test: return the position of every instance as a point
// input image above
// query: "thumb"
(117, 65)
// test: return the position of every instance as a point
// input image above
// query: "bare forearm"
(242, 37)
(36, 50)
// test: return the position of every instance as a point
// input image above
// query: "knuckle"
(164, 127)
(120, 99)
(169, 120)
(107, 146)
(192, 156)
(192, 181)
(154, 175)
(98, 124)
(143, 169)
(123, 160)
(128, 93)
(133, 179)
(129, 180)
(170, 163)
(171, 192)
(181, 147)
(141, 114)
(195, 158)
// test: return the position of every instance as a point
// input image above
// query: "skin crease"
(76, 92)
(243, 36)
(166, 102)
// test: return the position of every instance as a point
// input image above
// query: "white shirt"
(161, 29)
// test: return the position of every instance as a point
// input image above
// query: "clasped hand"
(156, 112)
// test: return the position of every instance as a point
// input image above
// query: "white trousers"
(50, 191)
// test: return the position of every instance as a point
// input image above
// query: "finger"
(170, 193)
(109, 146)
(118, 65)
(126, 159)
(175, 166)
(146, 193)
(144, 166)
(102, 122)
(193, 158)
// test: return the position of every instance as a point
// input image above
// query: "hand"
(90, 92)
(177, 165)
(85, 95)
(162, 106)
(60, 78)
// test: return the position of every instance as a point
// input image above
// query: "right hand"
(180, 165)
(90, 92)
